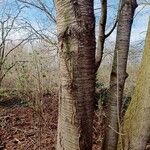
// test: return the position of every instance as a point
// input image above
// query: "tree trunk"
(1, 76)
(118, 74)
(76, 30)
(102, 33)
(136, 125)
(101, 37)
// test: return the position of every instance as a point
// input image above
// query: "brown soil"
(22, 128)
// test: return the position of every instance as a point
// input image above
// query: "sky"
(36, 17)
(140, 23)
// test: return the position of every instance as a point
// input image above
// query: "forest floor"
(22, 128)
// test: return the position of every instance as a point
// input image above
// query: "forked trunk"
(118, 74)
(76, 29)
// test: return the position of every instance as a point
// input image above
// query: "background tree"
(118, 74)
(10, 24)
(102, 35)
(136, 125)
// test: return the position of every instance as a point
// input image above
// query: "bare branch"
(42, 7)
(117, 18)
(8, 69)
(20, 43)
(113, 28)
(102, 29)
(139, 11)
(13, 21)
(42, 35)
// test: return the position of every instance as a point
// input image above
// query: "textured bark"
(76, 29)
(102, 33)
(136, 126)
(118, 73)
(101, 37)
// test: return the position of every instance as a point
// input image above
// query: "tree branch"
(42, 35)
(101, 37)
(113, 28)
(42, 7)
(24, 40)
(102, 29)
(8, 69)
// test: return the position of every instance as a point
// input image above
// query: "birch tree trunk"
(136, 125)
(76, 31)
(118, 73)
